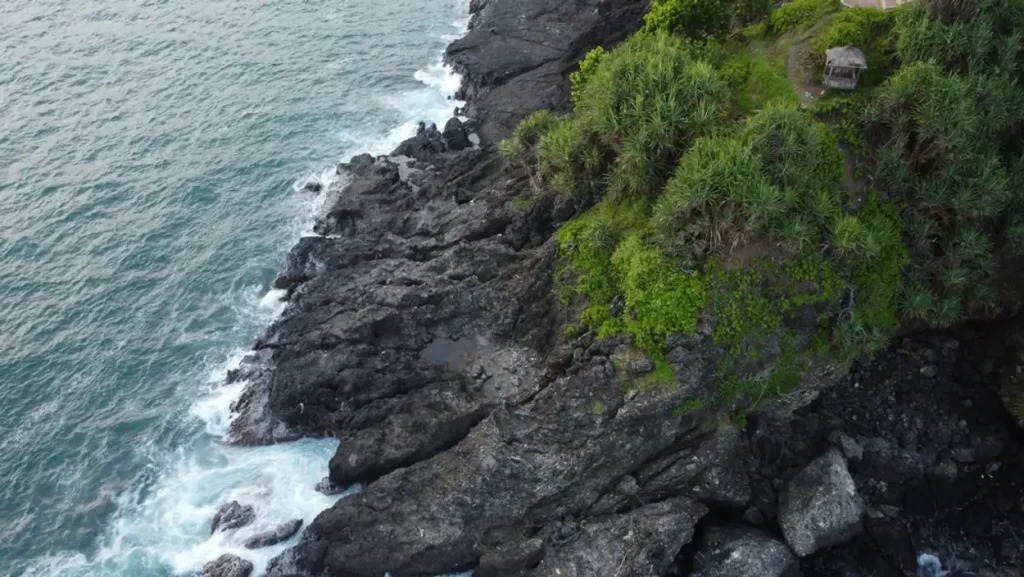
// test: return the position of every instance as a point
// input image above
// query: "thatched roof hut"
(843, 65)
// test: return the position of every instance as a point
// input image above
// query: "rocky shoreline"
(423, 331)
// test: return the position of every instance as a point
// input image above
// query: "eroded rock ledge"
(423, 331)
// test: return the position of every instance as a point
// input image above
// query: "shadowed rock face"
(518, 55)
(738, 551)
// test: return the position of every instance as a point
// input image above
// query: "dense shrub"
(527, 133)
(801, 14)
(637, 113)
(693, 19)
(588, 65)
(762, 224)
(780, 182)
(751, 11)
(948, 145)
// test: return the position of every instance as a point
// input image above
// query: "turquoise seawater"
(152, 154)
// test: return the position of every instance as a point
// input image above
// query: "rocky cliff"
(423, 331)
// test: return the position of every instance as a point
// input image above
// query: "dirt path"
(806, 80)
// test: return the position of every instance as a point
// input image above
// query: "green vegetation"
(579, 78)
(692, 19)
(690, 406)
(801, 14)
(870, 30)
(755, 81)
(948, 136)
(812, 233)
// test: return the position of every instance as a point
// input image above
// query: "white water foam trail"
(162, 527)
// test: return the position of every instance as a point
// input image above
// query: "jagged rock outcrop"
(227, 566)
(455, 136)
(517, 55)
(232, 515)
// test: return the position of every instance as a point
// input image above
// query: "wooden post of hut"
(843, 65)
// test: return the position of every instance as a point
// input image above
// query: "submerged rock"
(281, 533)
(233, 515)
(227, 566)
(737, 551)
(327, 487)
(821, 506)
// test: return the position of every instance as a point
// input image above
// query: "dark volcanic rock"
(422, 331)
(232, 515)
(641, 542)
(282, 532)
(427, 142)
(737, 551)
(821, 506)
(327, 487)
(542, 464)
(227, 566)
(455, 136)
(518, 56)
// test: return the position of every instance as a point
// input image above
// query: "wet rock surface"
(233, 515)
(282, 532)
(227, 566)
(422, 331)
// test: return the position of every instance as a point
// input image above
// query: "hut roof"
(846, 57)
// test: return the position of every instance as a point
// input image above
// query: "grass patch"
(755, 82)
(801, 15)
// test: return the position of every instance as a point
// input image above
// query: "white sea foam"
(162, 525)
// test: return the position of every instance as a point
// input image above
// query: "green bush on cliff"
(751, 11)
(948, 136)
(635, 115)
(693, 19)
(588, 65)
(801, 14)
(778, 183)
(759, 223)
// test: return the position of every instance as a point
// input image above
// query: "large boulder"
(227, 566)
(233, 515)
(738, 551)
(642, 542)
(282, 532)
(821, 506)
(455, 136)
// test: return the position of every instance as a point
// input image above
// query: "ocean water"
(152, 155)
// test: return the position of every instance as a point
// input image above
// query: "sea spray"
(162, 523)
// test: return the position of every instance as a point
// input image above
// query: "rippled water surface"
(151, 160)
